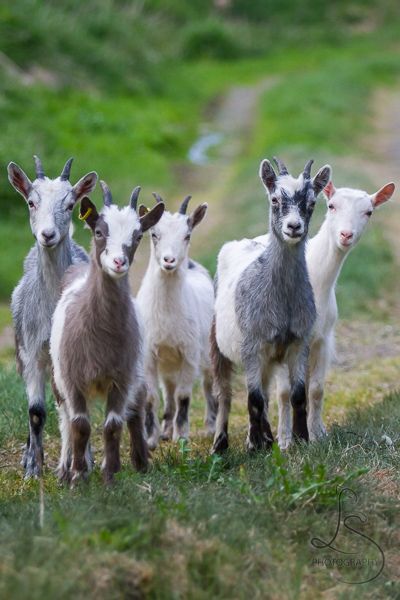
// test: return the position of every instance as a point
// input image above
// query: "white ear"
(329, 190)
(382, 195)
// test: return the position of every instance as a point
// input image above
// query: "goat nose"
(294, 226)
(119, 262)
(347, 235)
(169, 260)
(48, 234)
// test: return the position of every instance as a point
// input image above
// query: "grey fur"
(34, 299)
(275, 310)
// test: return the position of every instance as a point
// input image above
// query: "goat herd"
(273, 311)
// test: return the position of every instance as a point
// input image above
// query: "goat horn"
(157, 197)
(307, 169)
(282, 168)
(38, 167)
(107, 198)
(66, 170)
(184, 205)
(134, 197)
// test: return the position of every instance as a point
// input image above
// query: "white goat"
(349, 211)
(176, 301)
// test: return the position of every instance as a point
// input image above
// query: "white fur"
(177, 309)
(233, 259)
(57, 329)
(121, 225)
(325, 255)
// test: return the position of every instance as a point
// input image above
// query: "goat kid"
(264, 308)
(50, 202)
(96, 341)
(349, 211)
(176, 301)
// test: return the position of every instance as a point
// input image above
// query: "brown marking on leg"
(139, 449)
(112, 439)
(222, 369)
(260, 434)
(298, 400)
(182, 415)
(80, 433)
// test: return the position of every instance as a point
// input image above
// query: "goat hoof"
(256, 442)
(221, 444)
(77, 478)
(63, 475)
(33, 466)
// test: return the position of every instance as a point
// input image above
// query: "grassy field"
(198, 526)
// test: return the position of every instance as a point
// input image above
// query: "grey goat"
(264, 309)
(50, 202)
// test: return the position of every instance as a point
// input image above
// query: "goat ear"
(19, 180)
(268, 175)
(88, 212)
(197, 215)
(85, 185)
(329, 190)
(382, 195)
(142, 210)
(321, 179)
(152, 217)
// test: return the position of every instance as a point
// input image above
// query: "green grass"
(199, 526)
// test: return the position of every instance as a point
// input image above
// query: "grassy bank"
(196, 526)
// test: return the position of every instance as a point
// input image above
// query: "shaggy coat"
(96, 342)
(33, 301)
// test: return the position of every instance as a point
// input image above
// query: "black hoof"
(221, 444)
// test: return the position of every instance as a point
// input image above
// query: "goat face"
(171, 237)
(349, 211)
(50, 201)
(117, 232)
(292, 199)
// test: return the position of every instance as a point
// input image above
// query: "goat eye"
(187, 237)
(98, 233)
(154, 237)
(368, 213)
(331, 207)
(31, 204)
(274, 201)
(70, 206)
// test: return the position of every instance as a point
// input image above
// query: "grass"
(198, 525)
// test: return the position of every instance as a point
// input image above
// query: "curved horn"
(157, 197)
(134, 197)
(281, 166)
(307, 169)
(38, 167)
(66, 170)
(184, 205)
(107, 198)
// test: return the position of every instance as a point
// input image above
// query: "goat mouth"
(48, 244)
(292, 236)
(169, 267)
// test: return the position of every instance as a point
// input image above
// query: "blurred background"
(187, 97)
